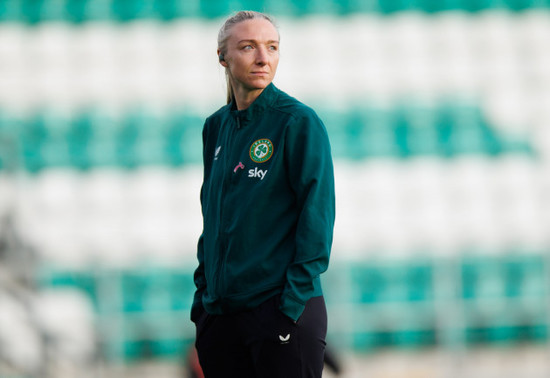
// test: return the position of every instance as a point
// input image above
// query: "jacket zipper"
(228, 171)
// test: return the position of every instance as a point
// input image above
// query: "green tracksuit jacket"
(268, 206)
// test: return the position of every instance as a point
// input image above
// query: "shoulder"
(295, 109)
(218, 115)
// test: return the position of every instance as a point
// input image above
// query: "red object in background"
(193, 365)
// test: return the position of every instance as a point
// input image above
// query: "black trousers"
(263, 342)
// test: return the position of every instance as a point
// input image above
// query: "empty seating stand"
(435, 152)
(128, 10)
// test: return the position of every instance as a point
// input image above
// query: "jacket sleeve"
(200, 283)
(199, 276)
(311, 176)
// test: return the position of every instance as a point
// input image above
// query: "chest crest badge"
(261, 150)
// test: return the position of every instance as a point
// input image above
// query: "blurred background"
(439, 117)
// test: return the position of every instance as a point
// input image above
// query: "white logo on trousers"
(284, 339)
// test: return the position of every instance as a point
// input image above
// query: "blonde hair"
(225, 33)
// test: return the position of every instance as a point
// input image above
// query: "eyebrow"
(255, 41)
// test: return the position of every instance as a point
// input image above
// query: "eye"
(247, 47)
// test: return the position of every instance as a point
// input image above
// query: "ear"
(221, 58)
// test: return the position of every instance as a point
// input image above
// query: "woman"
(268, 214)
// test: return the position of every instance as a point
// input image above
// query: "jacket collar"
(264, 100)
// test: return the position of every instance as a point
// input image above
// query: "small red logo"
(240, 165)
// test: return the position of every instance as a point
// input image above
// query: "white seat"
(521, 198)
(20, 340)
(14, 93)
(471, 205)
(96, 64)
(8, 192)
(425, 205)
(67, 318)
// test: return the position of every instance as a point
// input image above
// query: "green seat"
(370, 340)
(487, 314)
(158, 297)
(416, 131)
(32, 10)
(478, 5)
(316, 7)
(215, 9)
(432, 6)
(32, 139)
(134, 289)
(78, 139)
(37, 11)
(184, 139)
(255, 5)
(145, 290)
(141, 139)
(104, 130)
(9, 141)
(371, 133)
(129, 10)
(172, 9)
(368, 283)
(55, 149)
(483, 278)
(461, 130)
(414, 338)
(60, 278)
(525, 276)
(282, 8)
(336, 132)
(170, 347)
(11, 11)
(393, 6)
(419, 281)
(521, 5)
(76, 10)
(182, 290)
(150, 148)
(358, 6)
(98, 10)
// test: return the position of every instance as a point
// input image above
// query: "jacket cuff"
(291, 307)
(197, 308)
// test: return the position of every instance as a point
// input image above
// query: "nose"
(261, 56)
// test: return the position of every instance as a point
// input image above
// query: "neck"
(244, 98)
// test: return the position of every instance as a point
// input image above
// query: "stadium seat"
(150, 130)
(11, 11)
(43, 11)
(55, 148)
(7, 195)
(169, 10)
(67, 318)
(59, 280)
(17, 329)
(432, 6)
(437, 113)
(184, 139)
(371, 133)
(32, 140)
(130, 10)
(466, 131)
(9, 141)
(104, 140)
(79, 137)
(521, 5)
(281, 8)
(212, 10)
(416, 132)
